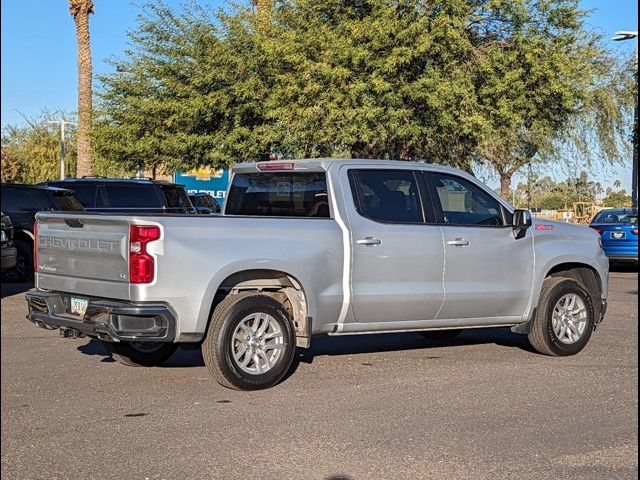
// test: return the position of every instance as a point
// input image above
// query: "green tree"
(544, 86)
(616, 199)
(372, 79)
(189, 93)
(31, 153)
(449, 81)
(553, 201)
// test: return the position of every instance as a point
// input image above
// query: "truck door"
(397, 251)
(488, 273)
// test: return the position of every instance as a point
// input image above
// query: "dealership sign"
(213, 181)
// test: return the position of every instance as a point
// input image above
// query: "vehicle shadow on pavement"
(184, 357)
(95, 347)
(390, 342)
(7, 289)
(623, 267)
(349, 345)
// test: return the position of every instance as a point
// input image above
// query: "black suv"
(205, 203)
(21, 202)
(127, 195)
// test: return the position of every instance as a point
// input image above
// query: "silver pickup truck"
(313, 247)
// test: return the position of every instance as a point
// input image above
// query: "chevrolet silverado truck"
(316, 247)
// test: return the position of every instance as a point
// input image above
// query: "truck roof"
(326, 163)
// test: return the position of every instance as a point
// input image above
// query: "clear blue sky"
(39, 50)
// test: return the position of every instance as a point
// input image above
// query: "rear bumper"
(109, 320)
(9, 255)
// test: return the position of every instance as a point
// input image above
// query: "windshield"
(612, 217)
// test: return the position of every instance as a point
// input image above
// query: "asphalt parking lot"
(385, 406)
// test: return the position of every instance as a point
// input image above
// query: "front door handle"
(370, 241)
(459, 242)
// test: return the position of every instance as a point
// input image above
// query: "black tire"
(140, 354)
(542, 337)
(217, 346)
(23, 271)
(441, 335)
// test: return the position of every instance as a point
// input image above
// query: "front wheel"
(564, 318)
(140, 354)
(250, 342)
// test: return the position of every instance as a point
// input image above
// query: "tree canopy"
(503, 83)
(548, 194)
(31, 153)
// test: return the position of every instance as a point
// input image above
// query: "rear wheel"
(250, 342)
(564, 318)
(141, 354)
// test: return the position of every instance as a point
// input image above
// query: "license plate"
(617, 235)
(78, 306)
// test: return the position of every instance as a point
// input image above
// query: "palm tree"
(80, 10)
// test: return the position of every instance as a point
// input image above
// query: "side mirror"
(521, 223)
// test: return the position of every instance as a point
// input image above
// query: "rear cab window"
(279, 194)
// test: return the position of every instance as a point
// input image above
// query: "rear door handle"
(459, 242)
(370, 241)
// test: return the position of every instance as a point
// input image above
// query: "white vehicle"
(312, 247)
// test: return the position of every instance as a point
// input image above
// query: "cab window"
(388, 196)
(460, 202)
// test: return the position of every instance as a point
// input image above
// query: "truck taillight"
(35, 246)
(141, 263)
(598, 229)
(635, 231)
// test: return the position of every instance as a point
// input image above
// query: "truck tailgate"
(83, 253)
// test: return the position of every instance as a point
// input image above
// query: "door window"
(463, 203)
(389, 196)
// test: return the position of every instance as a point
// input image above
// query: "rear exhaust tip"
(41, 324)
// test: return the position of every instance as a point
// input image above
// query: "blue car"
(619, 231)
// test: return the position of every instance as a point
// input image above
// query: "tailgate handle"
(74, 222)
